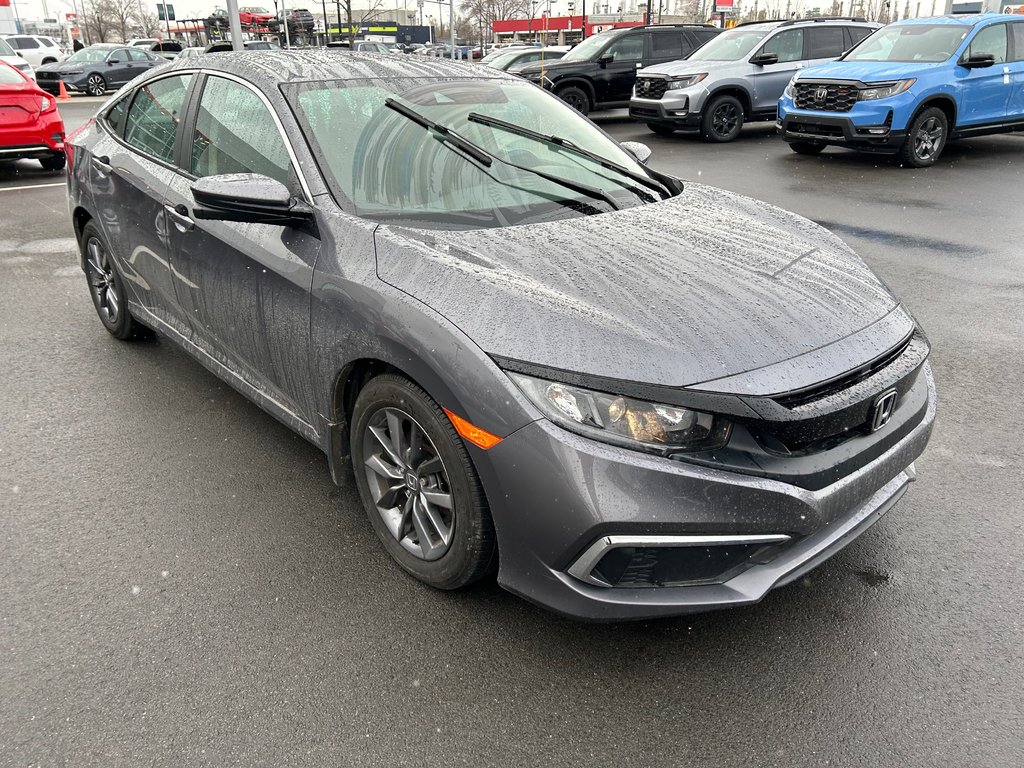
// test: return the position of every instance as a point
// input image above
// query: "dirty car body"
(680, 416)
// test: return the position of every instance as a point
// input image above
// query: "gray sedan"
(516, 336)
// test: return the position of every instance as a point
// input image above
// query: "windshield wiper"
(485, 158)
(562, 143)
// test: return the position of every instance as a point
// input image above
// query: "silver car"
(739, 75)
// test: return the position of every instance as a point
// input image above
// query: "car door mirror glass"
(637, 149)
(605, 60)
(249, 197)
(764, 59)
(978, 60)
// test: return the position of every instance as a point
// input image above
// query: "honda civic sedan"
(532, 352)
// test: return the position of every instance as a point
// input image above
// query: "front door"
(1015, 107)
(245, 287)
(614, 79)
(119, 68)
(770, 80)
(129, 180)
(985, 91)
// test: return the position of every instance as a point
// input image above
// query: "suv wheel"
(926, 138)
(806, 147)
(661, 129)
(575, 98)
(722, 119)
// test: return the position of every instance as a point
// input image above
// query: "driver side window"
(788, 45)
(629, 48)
(990, 40)
(118, 57)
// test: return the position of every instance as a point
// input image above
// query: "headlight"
(685, 82)
(885, 90)
(790, 92)
(624, 421)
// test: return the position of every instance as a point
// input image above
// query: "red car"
(30, 125)
(254, 16)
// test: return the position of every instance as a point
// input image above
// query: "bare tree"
(481, 14)
(97, 20)
(355, 17)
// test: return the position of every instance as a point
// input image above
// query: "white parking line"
(33, 186)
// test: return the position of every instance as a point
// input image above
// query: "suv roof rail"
(667, 26)
(823, 18)
(763, 21)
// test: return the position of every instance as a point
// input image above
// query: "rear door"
(823, 43)
(1015, 106)
(131, 165)
(985, 91)
(245, 287)
(770, 80)
(665, 45)
(613, 81)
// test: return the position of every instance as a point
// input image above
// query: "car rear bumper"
(560, 502)
(43, 139)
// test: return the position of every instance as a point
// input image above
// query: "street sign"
(160, 11)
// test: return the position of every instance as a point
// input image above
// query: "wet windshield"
(88, 55)
(588, 49)
(912, 42)
(389, 167)
(729, 46)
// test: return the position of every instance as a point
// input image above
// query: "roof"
(968, 20)
(268, 69)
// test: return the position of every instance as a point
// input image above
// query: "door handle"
(179, 215)
(102, 162)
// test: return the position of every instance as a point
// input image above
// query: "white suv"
(37, 50)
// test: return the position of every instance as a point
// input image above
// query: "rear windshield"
(911, 42)
(10, 76)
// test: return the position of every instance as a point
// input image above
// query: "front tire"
(106, 286)
(96, 85)
(661, 129)
(806, 147)
(926, 138)
(418, 484)
(722, 120)
(576, 98)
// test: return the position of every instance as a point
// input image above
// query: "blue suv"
(910, 87)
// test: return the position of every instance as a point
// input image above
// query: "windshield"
(500, 62)
(6, 50)
(588, 49)
(911, 42)
(390, 168)
(87, 55)
(729, 46)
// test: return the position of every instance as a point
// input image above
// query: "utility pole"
(235, 25)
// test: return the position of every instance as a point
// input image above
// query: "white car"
(37, 50)
(8, 56)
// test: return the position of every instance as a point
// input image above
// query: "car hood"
(687, 67)
(555, 65)
(63, 68)
(700, 287)
(868, 71)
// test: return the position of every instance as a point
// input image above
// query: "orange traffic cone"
(62, 92)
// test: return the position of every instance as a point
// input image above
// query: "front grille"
(650, 87)
(826, 97)
(46, 75)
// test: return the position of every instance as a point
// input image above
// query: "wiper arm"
(485, 158)
(563, 143)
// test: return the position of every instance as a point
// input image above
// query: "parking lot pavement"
(183, 585)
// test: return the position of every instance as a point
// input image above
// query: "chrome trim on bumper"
(586, 562)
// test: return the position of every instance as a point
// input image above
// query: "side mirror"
(604, 61)
(764, 59)
(978, 61)
(248, 197)
(640, 151)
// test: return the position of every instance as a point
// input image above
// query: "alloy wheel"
(725, 120)
(96, 85)
(928, 139)
(408, 483)
(102, 281)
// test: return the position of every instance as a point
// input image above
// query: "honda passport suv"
(739, 76)
(910, 87)
(599, 72)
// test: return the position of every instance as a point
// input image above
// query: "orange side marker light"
(481, 438)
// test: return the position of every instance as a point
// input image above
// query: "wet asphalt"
(181, 584)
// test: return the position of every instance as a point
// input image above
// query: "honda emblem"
(882, 410)
(821, 94)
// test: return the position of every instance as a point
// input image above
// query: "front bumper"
(868, 127)
(555, 495)
(72, 82)
(679, 108)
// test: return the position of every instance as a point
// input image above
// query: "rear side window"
(153, 117)
(27, 43)
(1017, 32)
(115, 117)
(138, 54)
(235, 133)
(990, 40)
(825, 42)
(787, 45)
(666, 45)
(857, 34)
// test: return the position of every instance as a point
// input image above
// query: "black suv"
(599, 72)
(300, 21)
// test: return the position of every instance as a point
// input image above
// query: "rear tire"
(806, 147)
(106, 286)
(661, 129)
(576, 98)
(926, 138)
(409, 463)
(722, 120)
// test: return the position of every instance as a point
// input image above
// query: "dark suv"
(300, 21)
(599, 73)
